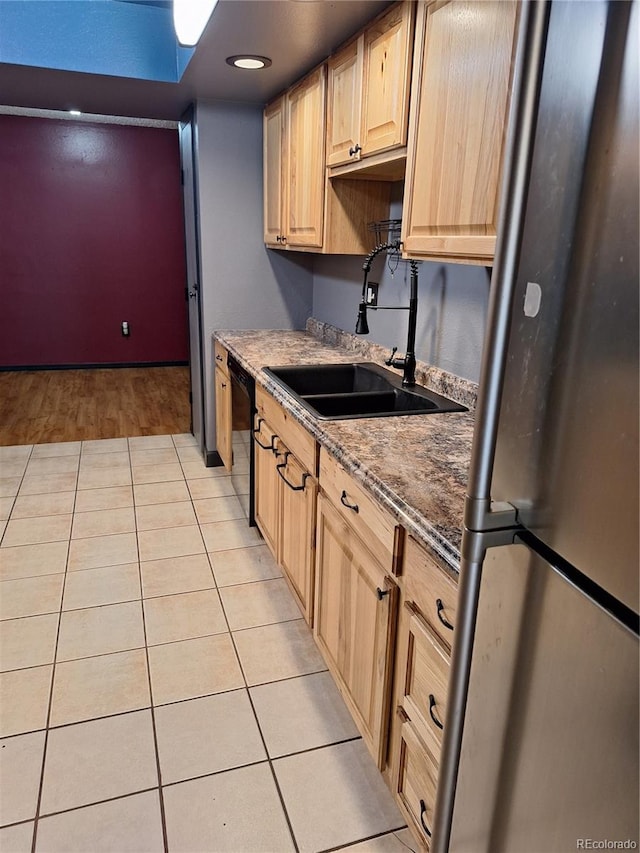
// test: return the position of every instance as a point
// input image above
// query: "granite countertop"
(416, 466)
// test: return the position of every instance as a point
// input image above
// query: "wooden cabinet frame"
(354, 624)
(460, 96)
(368, 89)
(285, 511)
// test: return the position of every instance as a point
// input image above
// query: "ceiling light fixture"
(190, 17)
(250, 62)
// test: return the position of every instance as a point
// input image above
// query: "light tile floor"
(158, 687)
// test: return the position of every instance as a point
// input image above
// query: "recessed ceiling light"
(248, 61)
(75, 112)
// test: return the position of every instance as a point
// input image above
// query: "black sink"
(359, 390)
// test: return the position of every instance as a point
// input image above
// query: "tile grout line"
(255, 716)
(15, 497)
(163, 820)
(262, 738)
(52, 686)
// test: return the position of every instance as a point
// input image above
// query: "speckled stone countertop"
(416, 465)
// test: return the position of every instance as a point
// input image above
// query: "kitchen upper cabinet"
(274, 130)
(294, 171)
(304, 189)
(368, 89)
(459, 105)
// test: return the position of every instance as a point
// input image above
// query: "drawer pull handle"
(223, 384)
(345, 502)
(381, 593)
(279, 468)
(432, 705)
(440, 607)
(256, 433)
(423, 811)
(354, 149)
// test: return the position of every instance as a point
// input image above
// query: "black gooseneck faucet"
(408, 363)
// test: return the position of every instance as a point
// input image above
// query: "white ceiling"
(294, 34)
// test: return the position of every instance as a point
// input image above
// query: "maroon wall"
(91, 234)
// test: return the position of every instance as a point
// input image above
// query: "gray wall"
(244, 285)
(452, 305)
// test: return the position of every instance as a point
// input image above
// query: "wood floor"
(42, 406)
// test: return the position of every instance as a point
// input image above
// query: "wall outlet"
(125, 329)
(372, 292)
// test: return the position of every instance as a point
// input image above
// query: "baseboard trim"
(97, 366)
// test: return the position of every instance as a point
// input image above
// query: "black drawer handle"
(256, 433)
(279, 468)
(345, 502)
(381, 593)
(432, 705)
(440, 607)
(423, 811)
(355, 150)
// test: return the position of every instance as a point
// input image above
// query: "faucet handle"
(389, 361)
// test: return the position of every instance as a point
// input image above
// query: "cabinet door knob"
(381, 593)
(278, 238)
(440, 608)
(345, 502)
(354, 150)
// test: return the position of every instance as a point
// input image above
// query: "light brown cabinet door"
(305, 174)
(417, 782)
(387, 76)
(353, 626)
(273, 163)
(223, 417)
(344, 98)
(267, 486)
(459, 104)
(297, 530)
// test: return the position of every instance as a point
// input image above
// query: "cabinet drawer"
(373, 524)
(426, 680)
(431, 590)
(417, 781)
(220, 357)
(293, 434)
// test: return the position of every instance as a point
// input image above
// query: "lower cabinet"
(382, 608)
(355, 603)
(417, 781)
(223, 417)
(425, 632)
(285, 508)
(267, 508)
(297, 529)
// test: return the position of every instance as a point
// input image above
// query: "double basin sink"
(358, 390)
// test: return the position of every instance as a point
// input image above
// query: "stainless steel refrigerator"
(540, 748)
